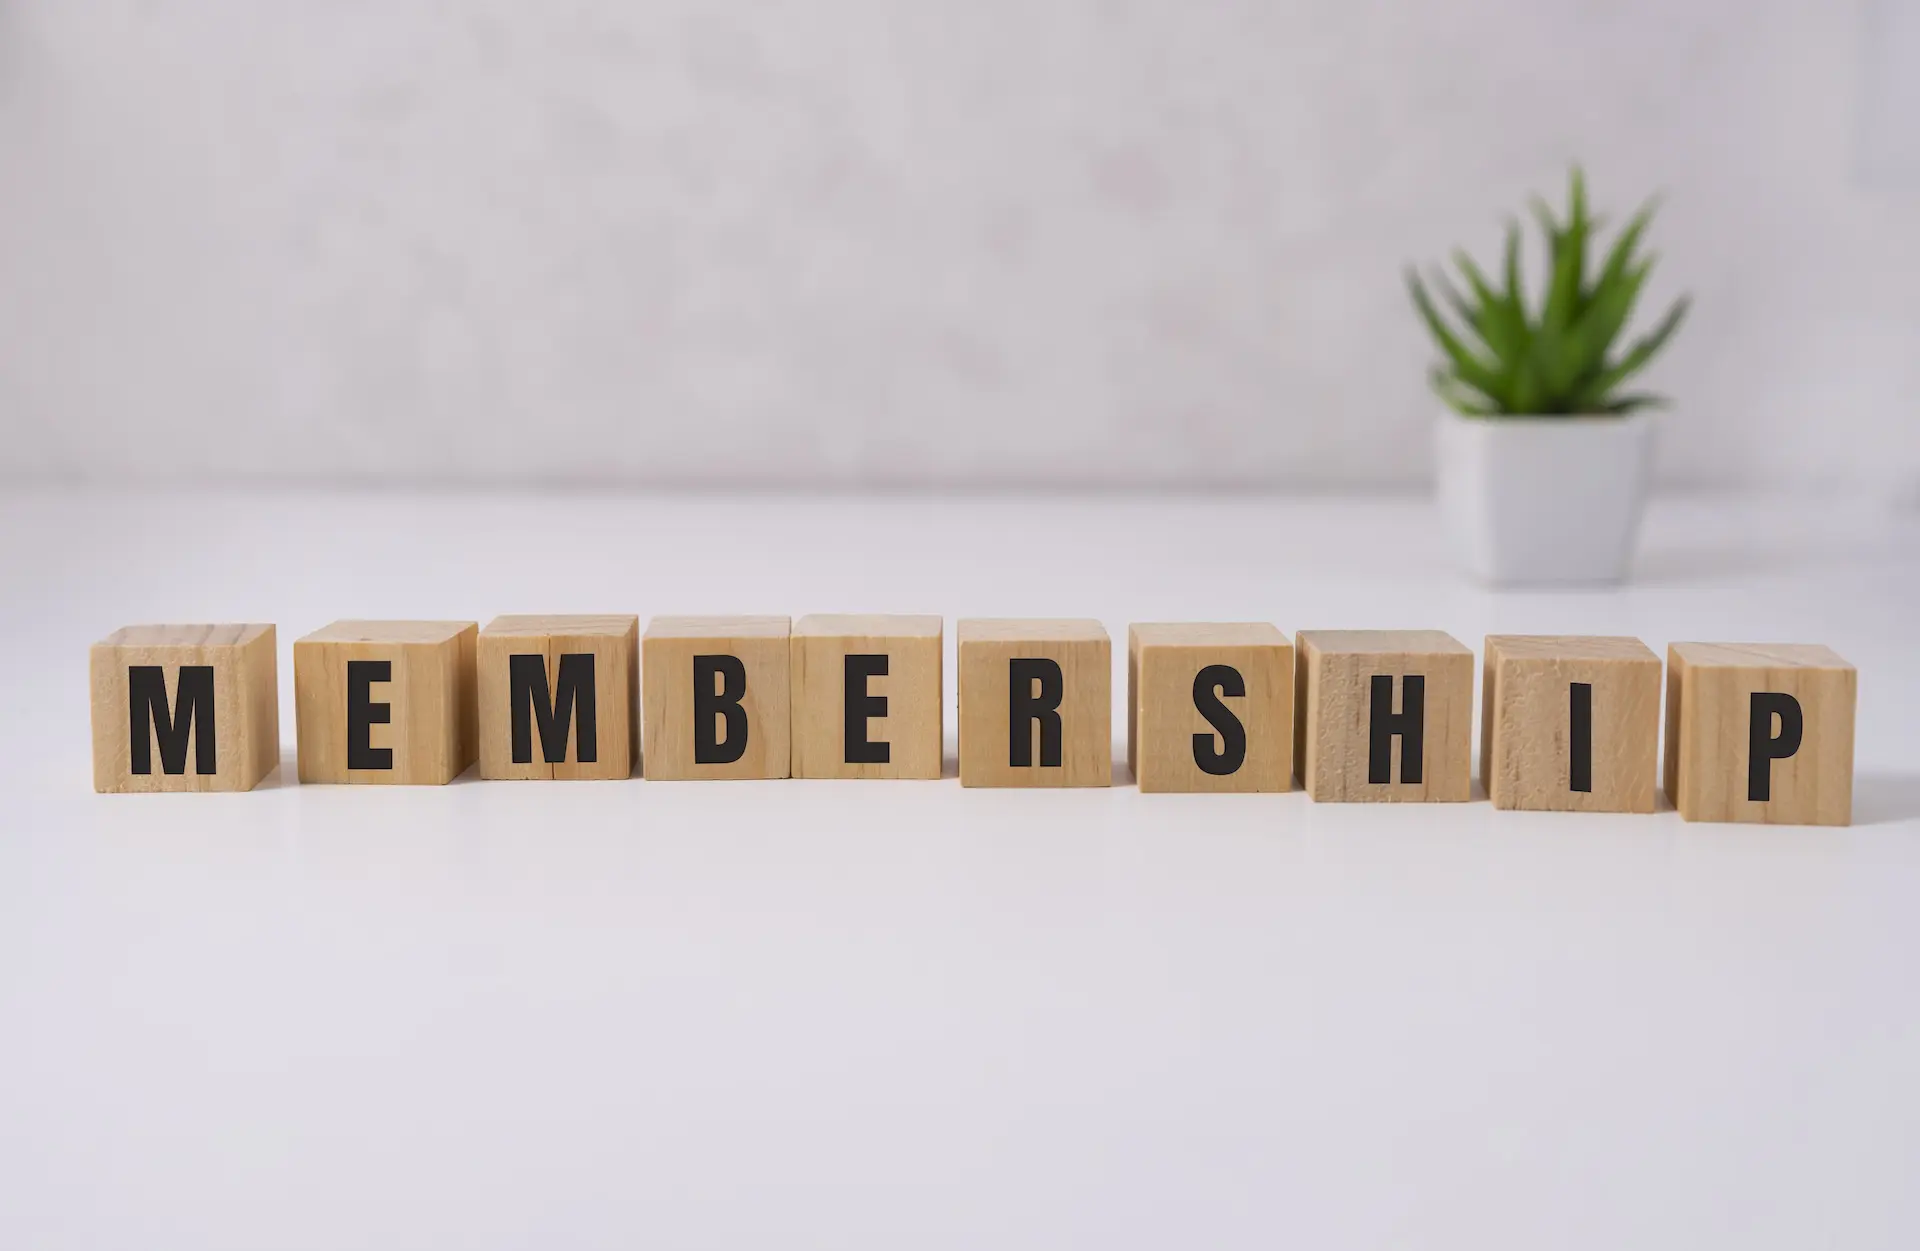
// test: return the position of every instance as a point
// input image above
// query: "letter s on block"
(1232, 752)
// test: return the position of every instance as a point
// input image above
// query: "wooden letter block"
(866, 697)
(386, 702)
(1036, 703)
(1210, 707)
(1569, 724)
(185, 708)
(1760, 733)
(1383, 715)
(558, 697)
(718, 698)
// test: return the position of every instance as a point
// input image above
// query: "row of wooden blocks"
(1753, 732)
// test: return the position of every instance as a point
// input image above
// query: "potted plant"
(1544, 456)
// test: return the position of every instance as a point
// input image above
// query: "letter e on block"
(1760, 733)
(866, 697)
(718, 698)
(1383, 716)
(1569, 724)
(1210, 707)
(558, 697)
(1036, 703)
(386, 702)
(185, 708)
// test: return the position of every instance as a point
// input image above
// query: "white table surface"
(904, 1015)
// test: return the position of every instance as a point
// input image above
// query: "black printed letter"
(1232, 752)
(1409, 723)
(147, 702)
(1579, 736)
(862, 707)
(363, 714)
(1764, 746)
(571, 706)
(1025, 706)
(725, 704)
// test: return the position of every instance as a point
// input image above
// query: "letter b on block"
(185, 708)
(1210, 707)
(1036, 703)
(717, 699)
(558, 697)
(1760, 733)
(1383, 715)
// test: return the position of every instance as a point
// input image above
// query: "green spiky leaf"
(1466, 365)
(1502, 357)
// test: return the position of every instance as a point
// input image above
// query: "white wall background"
(910, 240)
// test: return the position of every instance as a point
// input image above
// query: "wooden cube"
(718, 698)
(1760, 732)
(1569, 724)
(1365, 699)
(1210, 707)
(1036, 703)
(185, 708)
(867, 697)
(558, 697)
(387, 702)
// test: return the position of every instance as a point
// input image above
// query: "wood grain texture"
(245, 706)
(1711, 718)
(1333, 676)
(1164, 660)
(611, 640)
(912, 727)
(673, 728)
(1526, 723)
(987, 647)
(431, 700)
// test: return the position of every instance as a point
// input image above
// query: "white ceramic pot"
(1538, 500)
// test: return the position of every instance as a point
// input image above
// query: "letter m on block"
(149, 718)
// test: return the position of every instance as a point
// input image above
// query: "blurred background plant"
(1504, 359)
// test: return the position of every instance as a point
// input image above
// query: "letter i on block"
(558, 697)
(1569, 724)
(1210, 707)
(1760, 733)
(1383, 715)
(386, 702)
(717, 698)
(1036, 703)
(866, 697)
(185, 708)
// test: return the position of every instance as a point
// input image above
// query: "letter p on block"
(1760, 733)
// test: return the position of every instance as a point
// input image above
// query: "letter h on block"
(717, 698)
(1383, 715)
(1036, 703)
(866, 697)
(1569, 724)
(1760, 733)
(185, 708)
(558, 697)
(1210, 707)
(386, 702)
